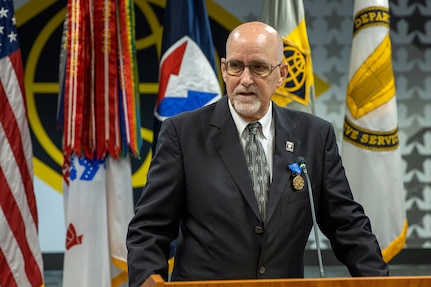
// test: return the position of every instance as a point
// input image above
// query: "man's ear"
(283, 73)
(223, 68)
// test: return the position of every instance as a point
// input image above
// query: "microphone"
(303, 166)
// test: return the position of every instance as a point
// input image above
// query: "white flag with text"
(370, 147)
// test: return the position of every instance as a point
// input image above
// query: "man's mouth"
(246, 93)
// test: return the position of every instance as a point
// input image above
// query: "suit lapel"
(284, 133)
(225, 138)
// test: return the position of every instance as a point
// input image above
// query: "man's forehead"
(258, 30)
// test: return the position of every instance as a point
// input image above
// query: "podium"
(385, 281)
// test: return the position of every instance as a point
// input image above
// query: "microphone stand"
(313, 216)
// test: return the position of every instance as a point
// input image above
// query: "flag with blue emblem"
(288, 17)
(98, 205)
(370, 149)
(188, 73)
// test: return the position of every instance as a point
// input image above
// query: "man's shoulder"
(194, 114)
(300, 116)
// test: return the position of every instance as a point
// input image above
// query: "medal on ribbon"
(298, 181)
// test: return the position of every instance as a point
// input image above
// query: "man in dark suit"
(199, 187)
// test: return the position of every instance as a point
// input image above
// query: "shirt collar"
(241, 124)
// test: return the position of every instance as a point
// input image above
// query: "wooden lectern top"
(384, 281)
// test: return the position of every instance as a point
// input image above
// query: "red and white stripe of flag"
(20, 257)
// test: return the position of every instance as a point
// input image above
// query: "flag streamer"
(100, 94)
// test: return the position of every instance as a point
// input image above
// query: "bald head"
(253, 68)
(257, 34)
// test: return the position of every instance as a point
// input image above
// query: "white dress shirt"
(265, 135)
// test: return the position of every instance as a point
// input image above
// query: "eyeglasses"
(260, 69)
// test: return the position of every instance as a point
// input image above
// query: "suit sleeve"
(157, 213)
(343, 220)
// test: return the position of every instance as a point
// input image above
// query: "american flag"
(20, 256)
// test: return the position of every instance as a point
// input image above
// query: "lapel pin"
(289, 146)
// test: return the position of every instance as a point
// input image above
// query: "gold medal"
(298, 182)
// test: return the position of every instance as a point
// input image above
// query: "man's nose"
(246, 77)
